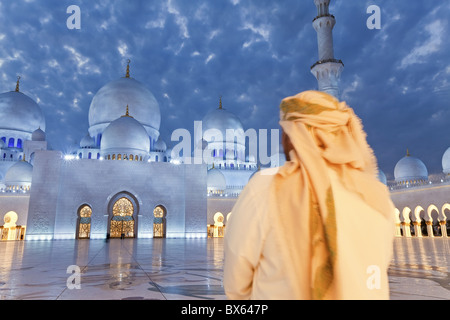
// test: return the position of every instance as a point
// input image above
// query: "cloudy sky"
(253, 53)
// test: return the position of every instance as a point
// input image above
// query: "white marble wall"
(60, 187)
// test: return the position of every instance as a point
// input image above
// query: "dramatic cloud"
(252, 53)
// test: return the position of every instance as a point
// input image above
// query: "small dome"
(410, 169)
(125, 135)
(160, 145)
(20, 112)
(38, 135)
(87, 142)
(216, 180)
(20, 174)
(446, 161)
(222, 120)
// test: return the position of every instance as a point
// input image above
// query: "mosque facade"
(123, 181)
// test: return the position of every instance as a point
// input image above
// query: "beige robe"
(257, 263)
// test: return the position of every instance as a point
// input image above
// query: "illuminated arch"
(159, 221)
(84, 222)
(9, 230)
(123, 211)
(405, 215)
(429, 219)
(430, 209)
(442, 215)
(217, 230)
(418, 221)
(417, 212)
(406, 222)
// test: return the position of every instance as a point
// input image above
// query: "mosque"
(123, 181)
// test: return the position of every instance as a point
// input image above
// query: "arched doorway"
(159, 222)
(84, 222)
(9, 230)
(122, 224)
(217, 230)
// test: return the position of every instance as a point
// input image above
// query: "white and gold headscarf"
(324, 133)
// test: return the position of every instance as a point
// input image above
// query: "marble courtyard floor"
(177, 269)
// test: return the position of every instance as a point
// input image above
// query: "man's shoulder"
(262, 179)
(264, 175)
(254, 199)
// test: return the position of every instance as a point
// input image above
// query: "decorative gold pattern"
(123, 207)
(127, 113)
(84, 226)
(323, 245)
(86, 212)
(158, 212)
(127, 75)
(159, 222)
(122, 222)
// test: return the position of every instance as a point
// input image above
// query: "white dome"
(216, 180)
(222, 120)
(109, 102)
(446, 161)
(410, 169)
(19, 112)
(87, 142)
(20, 174)
(125, 135)
(38, 135)
(160, 145)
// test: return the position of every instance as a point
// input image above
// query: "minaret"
(327, 69)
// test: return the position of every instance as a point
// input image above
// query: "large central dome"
(109, 102)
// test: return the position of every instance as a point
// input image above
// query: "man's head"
(308, 103)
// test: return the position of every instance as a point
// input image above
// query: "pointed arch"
(442, 215)
(430, 210)
(84, 214)
(123, 209)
